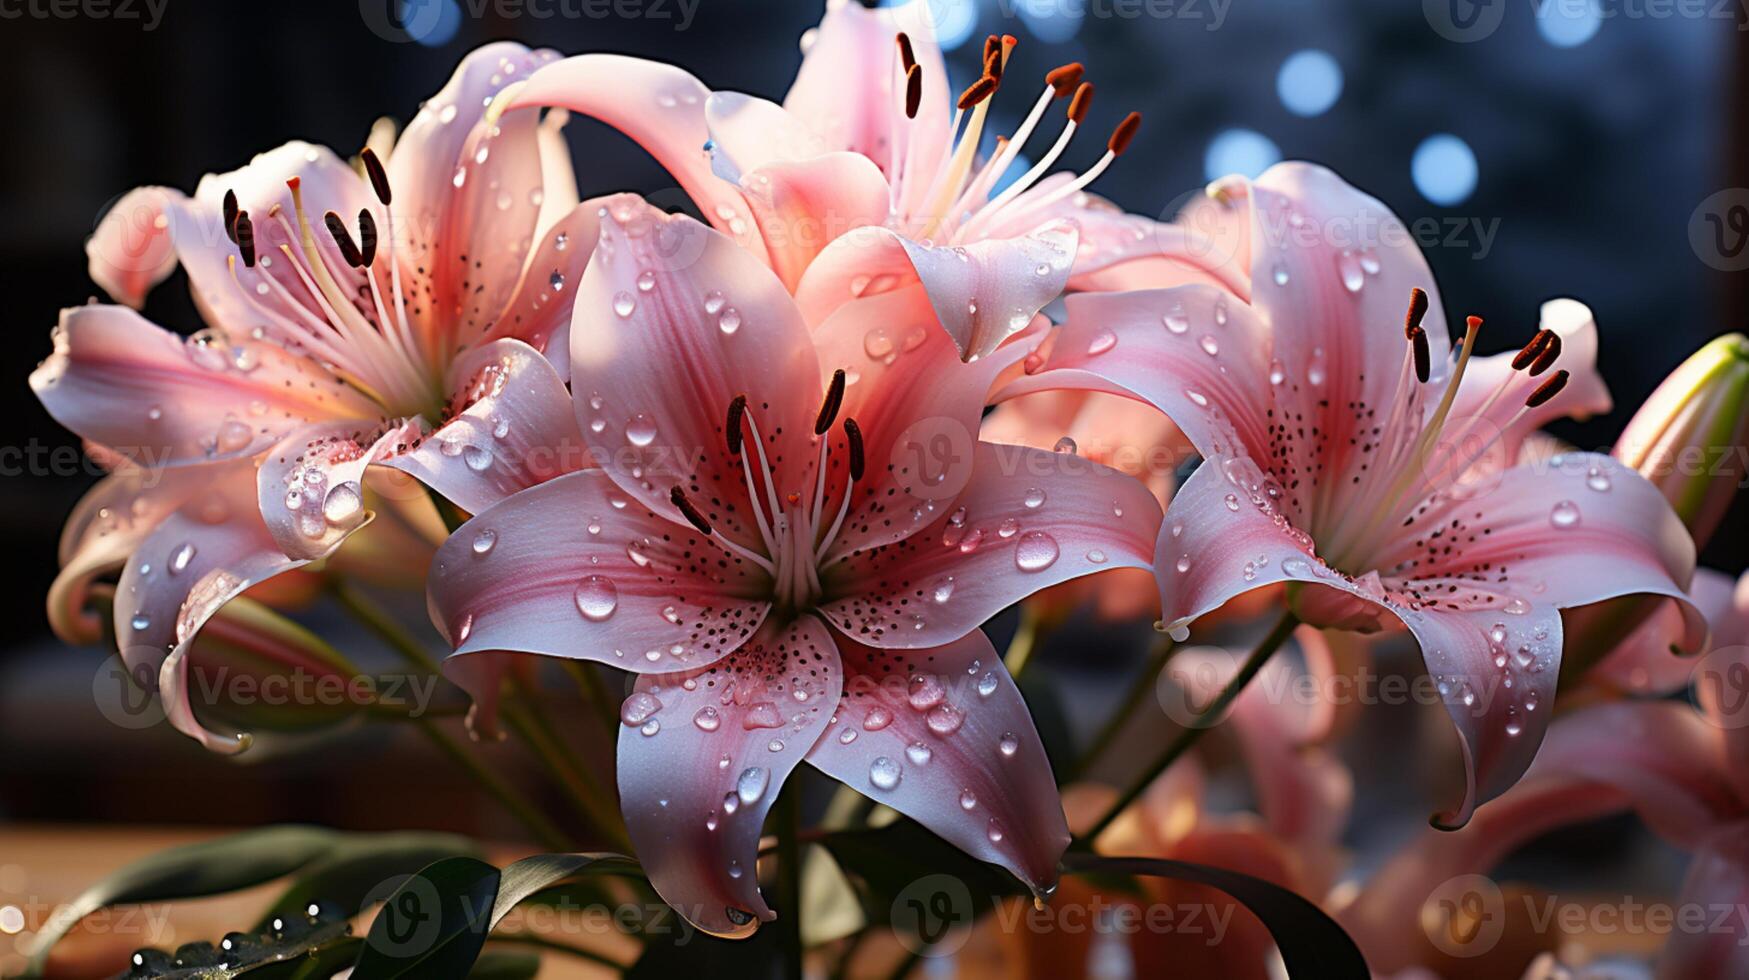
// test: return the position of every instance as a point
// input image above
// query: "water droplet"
(1348, 266)
(884, 773)
(1009, 744)
(918, 753)
(1280, 274)
(233, 435)
(1034, 499)
(1035, 552)
(1064, 445)
(943, 590)
(1103, 341)
(1565, 514)
(597, 598)
(1008, 528)
(650, 727)
(1096, 556)
(708, 719)
(477, 459)
(968, 800)
(1183, 564)
(945, 719)
(1232, 504)
(141, 621)
(342, 503)
(877, 343)
(1277, 372)
(987, 684)
(762, 715)
(1175, 320)
(638, 708)
(846, 735)
(181, 557)
(484, 541)
(640, 430)
(729, 321)
(1597, 479)
(995, 831)
(646, 281)
(750, 785)
(1209, 344)
(623, 303)
(925, 691)
(877, 719)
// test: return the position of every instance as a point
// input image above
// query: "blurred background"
(1539, 148)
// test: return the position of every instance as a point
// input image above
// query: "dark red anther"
(687, 510)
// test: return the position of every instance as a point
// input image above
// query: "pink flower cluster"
(747, 459)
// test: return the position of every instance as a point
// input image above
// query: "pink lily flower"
(1682, 770)
(419, 301)
(1357, 461)
(793, 539)
(866, 180)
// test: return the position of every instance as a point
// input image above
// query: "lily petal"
(512, 428)
(158, 399)
(1643, 662)
(310, 485)
(942, 735)
(846, 89)
(1718, 878)
(704, 754)
(659, 106)
(803, 207)
(667, 298)
(192, 563)
(982, 293)
(1026, 519)
(576, 568)
(539, 313)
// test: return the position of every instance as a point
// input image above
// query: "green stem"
(595, 694)
(1025, 641)
(1138, 693)
(530, 722)
(549, 836)
(1188, 736)
(789, 884)
(549, 945)
(382, 624)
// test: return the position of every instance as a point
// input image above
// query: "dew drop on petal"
(342, 503)
(877, 719)
(1009, 744)
(884, 773)
(640, 430)
(919, 754)
(638, 708)
(968, 800)
(1064, 445)
(624, 304)
(484, 542)
(995, 831)
(1103, 341)
(1565, 514)
(597, 598)
(987, 684)
(708, 719)
(750, 785)
(181, 557)
(1035, 552)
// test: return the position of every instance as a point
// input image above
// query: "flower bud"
(1691, 437)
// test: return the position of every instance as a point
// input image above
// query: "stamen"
(231, 216)
(379, 178)
(913, 90)
(1064, 79)
(343, 239)
(907, 58)
(1079, 105)
(977, 92)
(1417, 312)
(1551, 351)
(1549, 389)
(245, 238)
(1423, 355)
(1123, 134)
(367, 238)
(737, 410)
(691, 513)
(993, 56)
(853, 436)
(829, 408)
(1530, 350)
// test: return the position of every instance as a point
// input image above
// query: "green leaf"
(208, 868)
(505, 966)
(358, 866)
(1311, 943)
(535, 874)
(433, 926)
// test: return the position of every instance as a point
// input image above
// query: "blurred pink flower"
(335, 341)
(865, 181)
(1685, 772)
(794, 538)
(1359, 462)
